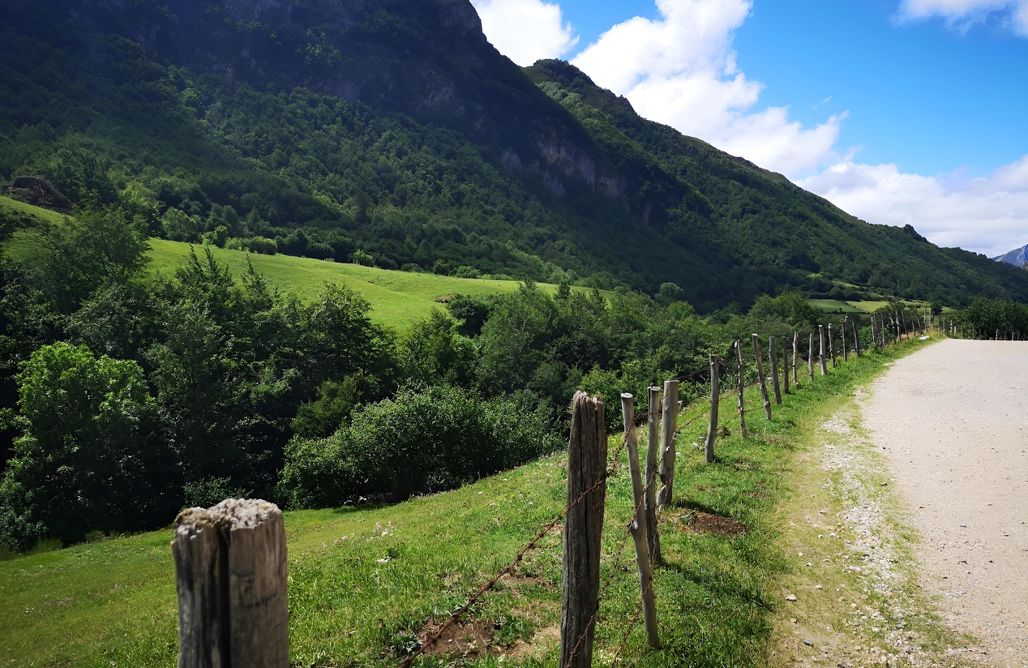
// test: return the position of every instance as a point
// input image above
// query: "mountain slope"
(1017, 257)
(397, 129)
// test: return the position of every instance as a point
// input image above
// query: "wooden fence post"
(856, 337)
(842, 336)
(760, 375)
(587, 491)
(230, 573)
(831, 346)
(652, 448)
(821, 358)
(741, 388)
(669, 423)
(795, 358)
(637, 527)
(715, 398)
(785, 366)
(810, 356)
(772, 354)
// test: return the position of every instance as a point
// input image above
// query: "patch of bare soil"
(701, 522)
(471, 639)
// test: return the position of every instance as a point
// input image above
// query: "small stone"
(791, 598)
(808, 643)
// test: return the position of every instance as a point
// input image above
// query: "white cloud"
(986, 214)
(526, 30)
(680, 69)
(962, 14)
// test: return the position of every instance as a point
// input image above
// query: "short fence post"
(652, 448)
(230, 573)
(785, 365)
(669, 423)
(772, 353)
(795, 358)
(587, 491)
(637, 526)
(842, 336)
(821, 357)
(760, 375)
(715, 398)
(810, 356)
(741, 388)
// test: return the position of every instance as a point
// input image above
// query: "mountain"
(1015, 257)
(395, 129)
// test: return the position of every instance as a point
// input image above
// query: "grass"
(397, 298)
(864, 307)
(363, 582)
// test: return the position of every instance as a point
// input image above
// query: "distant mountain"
(393, 127)
(1015, 257)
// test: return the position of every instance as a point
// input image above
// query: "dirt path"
(952, 423)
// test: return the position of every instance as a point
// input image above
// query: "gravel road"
(952, 422)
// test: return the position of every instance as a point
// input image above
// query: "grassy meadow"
(364, 582)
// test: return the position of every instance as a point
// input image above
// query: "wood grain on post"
(821, 357)
(652, 448)
(741, 388)
(785, 365)
(772, 354)
(715, 398)
(760, 375)
(856, 337)
(796, 359)
(669, 423)
(230, 573)
(810, 356)
(583, 527)
(637, 527)
(831, 346)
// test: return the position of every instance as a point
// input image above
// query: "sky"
(898, 111)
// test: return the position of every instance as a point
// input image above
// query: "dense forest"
(393, 134)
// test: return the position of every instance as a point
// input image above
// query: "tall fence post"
(772, 354)
(785, 365)
(587, 492)
(715, 398)
(637, 527)
(831, 346)
(230, 573)
(760, 375)
(810, 356)
(669, 423)
(741, 388)
(795, 358)
(842, 337)
(821, 357)
(652, 448)
(856, 337)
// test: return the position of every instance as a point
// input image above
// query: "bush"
(420, 441)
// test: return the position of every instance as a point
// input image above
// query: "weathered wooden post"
(785, 365)
(760, 375)
(715, 398)
(669, 422)
(741, 388)
(230, 572)
(652, 448)
(772, 353)
(856, 337)
(810, 356)
(637, 527)
(821, 358)
(831, 346)
(583, 527)
(842, 336)
(796, 359)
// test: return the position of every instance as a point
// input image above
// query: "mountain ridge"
(1017, 257)
(396, 129)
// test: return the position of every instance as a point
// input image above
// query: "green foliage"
(91, 455)
(434, 352)
(420, 441)
(987, 317)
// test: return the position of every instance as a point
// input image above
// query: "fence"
(231, 559)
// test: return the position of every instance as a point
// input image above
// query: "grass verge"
(365, 584)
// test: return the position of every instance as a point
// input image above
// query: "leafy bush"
(419, 441)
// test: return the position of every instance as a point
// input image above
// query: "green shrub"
(420, 441)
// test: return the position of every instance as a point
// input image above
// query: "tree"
(91, 456)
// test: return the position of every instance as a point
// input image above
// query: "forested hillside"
(393, 133)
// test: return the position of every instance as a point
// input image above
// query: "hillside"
(396, 129)
(1015, 257)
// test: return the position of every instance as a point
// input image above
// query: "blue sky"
(899, 111)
